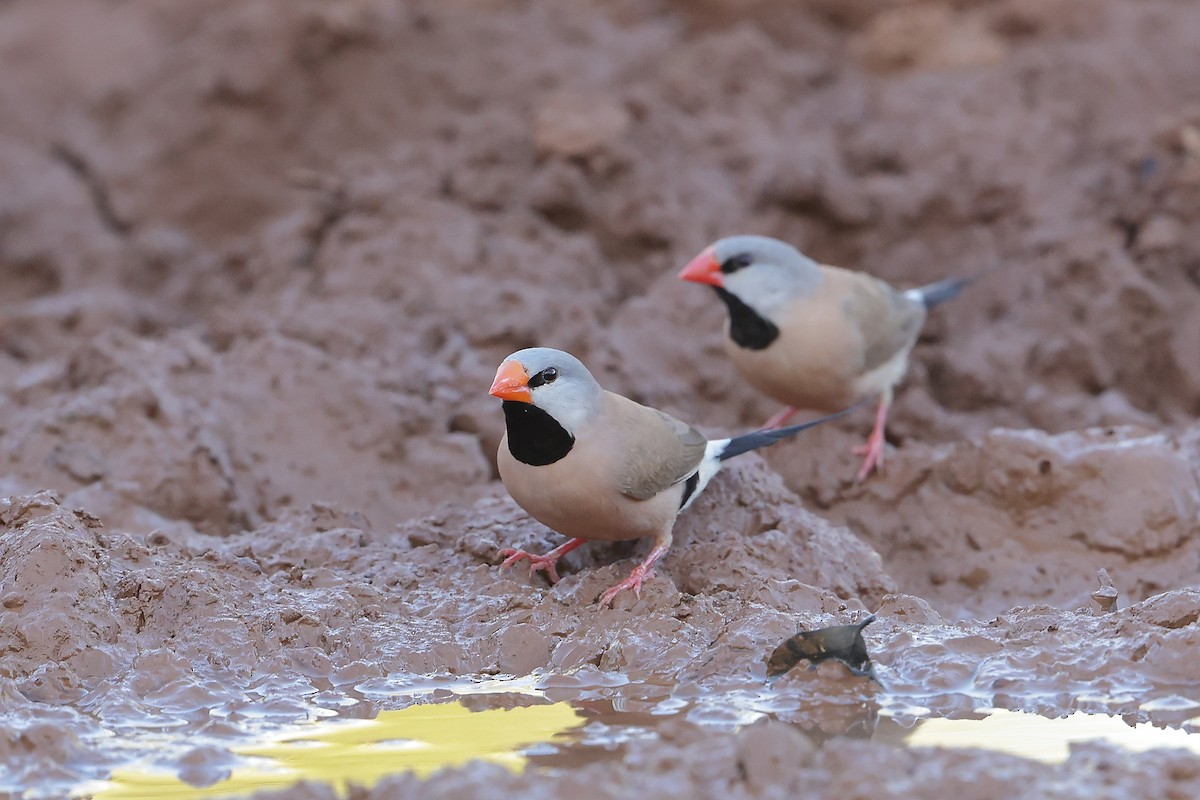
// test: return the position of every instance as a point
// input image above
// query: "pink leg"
(780, 418)
(545, 563)
(873, 449)
(641, 572)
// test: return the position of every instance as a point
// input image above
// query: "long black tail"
(765, 438)
(935, 294)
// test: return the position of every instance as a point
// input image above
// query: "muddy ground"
(259, 261)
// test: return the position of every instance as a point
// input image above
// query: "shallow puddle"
(556, 722)
(421, 738)
(1032, 736)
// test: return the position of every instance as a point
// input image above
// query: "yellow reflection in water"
(421, 739)
(1044, 739)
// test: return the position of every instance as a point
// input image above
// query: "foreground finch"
(594, 465)
(813, 336)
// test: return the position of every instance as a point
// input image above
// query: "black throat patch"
(746, 327)
(534, 437)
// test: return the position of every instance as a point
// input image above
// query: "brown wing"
(656, 450)
(889, 321)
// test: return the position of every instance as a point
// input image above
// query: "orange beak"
(512, 383)
(703, 269)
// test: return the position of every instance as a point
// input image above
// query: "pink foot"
(641, 573)
(536, 563)
(780, 418)
(544, 563)
(873, 450)
(635, 580)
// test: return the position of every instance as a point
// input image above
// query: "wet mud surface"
(258, 265)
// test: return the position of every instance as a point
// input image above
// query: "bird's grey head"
(762, 272)
(756, 277)
(554, 381)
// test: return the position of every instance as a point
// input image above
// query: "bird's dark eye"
(548, 375)
(734, 263)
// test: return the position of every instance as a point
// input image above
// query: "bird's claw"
(634, 581)
(873, 450)
(536, 563)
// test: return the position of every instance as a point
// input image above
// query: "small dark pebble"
(843, 642)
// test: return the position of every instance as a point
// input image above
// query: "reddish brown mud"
(259, 261)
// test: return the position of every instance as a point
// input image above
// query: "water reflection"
(420, 738)
(1031, 736)
(562, 721)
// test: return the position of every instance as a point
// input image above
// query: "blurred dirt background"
(259, 261)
